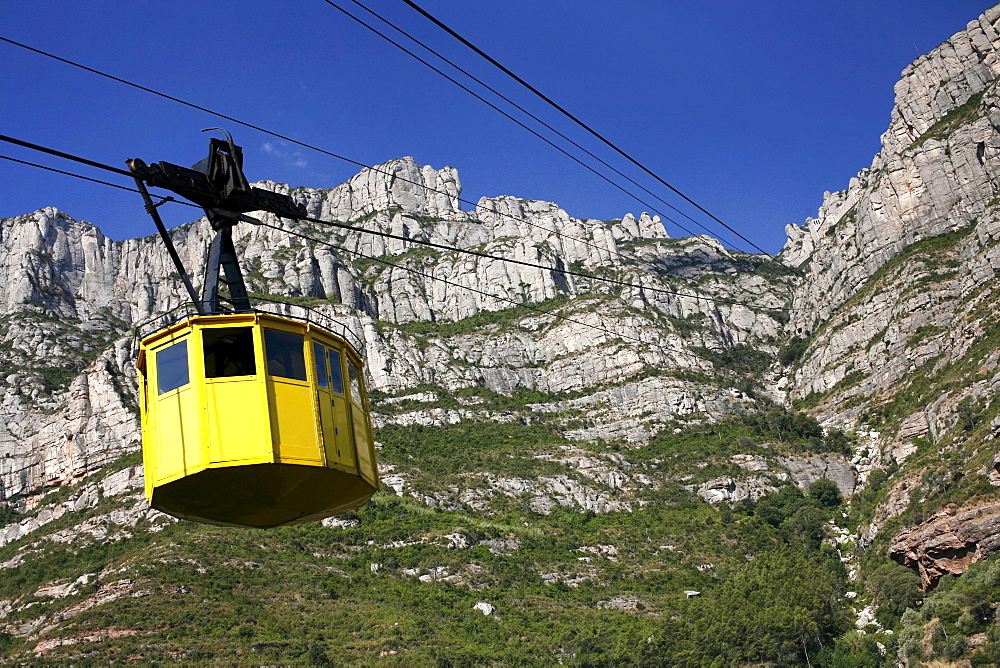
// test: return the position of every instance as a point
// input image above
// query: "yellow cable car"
(248, 418)
(254, 420)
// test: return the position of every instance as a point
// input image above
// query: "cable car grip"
(216, 184)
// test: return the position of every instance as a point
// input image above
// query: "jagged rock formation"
(896, 311)
(937, 172)
(73, 291)
(948, 542)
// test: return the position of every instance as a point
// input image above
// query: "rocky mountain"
(551, 444)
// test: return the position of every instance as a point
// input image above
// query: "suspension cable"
(483, 293)
(576, 120)
(431, 244)
(385, 262)
(514, 120)
(277, 135)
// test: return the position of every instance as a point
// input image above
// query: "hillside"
(573, 471)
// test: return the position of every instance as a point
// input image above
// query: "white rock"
(484, 608)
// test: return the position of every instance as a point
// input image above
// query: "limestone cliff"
(895, 317)
(73, 292)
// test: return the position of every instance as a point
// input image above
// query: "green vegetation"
(793, 351)
(8, 515)
(365, 217)
(957, 610)
(773, 610)
(739, 359)
(826, 493)
(303, 593)
(482, 319)
(930, 252)
(476, 446)
(954, 119)
(352, 595)
(894, 588)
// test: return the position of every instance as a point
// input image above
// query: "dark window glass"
(336, 374)
(355, 376)
(172, 367)
(319, 356)
(285, 354)
(228, 352)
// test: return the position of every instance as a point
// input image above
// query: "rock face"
(804, 471)
(67, 387)
(896, 310)
(948, 542)
(937, 172)
(764, 476)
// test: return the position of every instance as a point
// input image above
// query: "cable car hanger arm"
(216, 184)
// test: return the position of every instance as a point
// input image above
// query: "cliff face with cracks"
(896, 310)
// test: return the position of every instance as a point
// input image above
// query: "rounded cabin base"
(261, 495)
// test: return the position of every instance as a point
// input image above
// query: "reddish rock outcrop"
(948, 542)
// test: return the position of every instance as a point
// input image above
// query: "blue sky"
(752, 109)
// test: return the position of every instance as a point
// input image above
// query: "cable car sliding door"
(293, 425)
(332, 408)
(178, 442)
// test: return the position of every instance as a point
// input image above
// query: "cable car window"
(319, 356)
(229, 352)
(355, 376)
(172, 367)
(285, 354)
(336, 373)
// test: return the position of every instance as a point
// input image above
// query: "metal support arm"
(151, 209)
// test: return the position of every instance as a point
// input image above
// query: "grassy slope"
(301, 593)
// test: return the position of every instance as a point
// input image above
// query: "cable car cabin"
(254, 420)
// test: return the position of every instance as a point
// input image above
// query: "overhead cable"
(484, 293)
(79, 176)
(576, 120)
(277, 135)
(431, 244)
(514, 120)
(385, 262)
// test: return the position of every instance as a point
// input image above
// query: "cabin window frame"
(357, 383)
(336, 378)
(247, 333)
(172, 366)
(320, 365)
(275, 345)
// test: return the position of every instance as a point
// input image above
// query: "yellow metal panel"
(237, 421)
(362, 444)
(322, 411)
(293, 425)
(144, 423)
(342, 433)
(177, 430)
